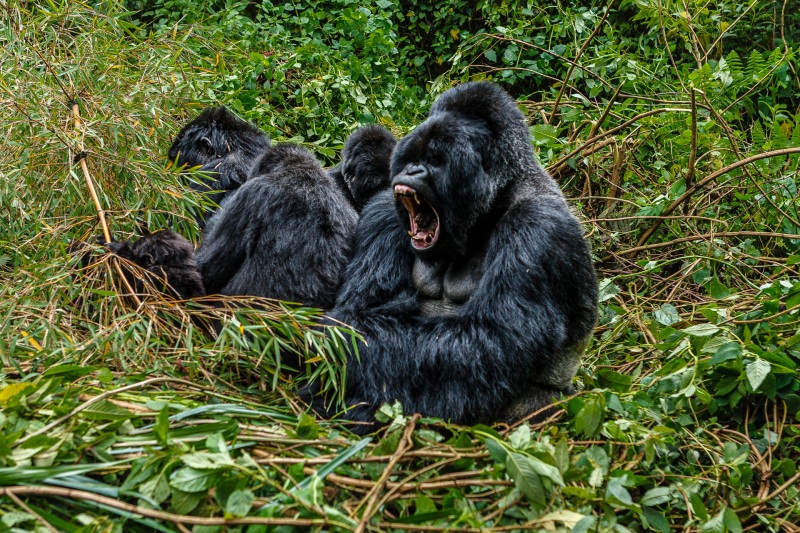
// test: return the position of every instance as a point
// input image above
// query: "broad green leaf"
(189, 479)
(726, 352)
(701, 330)
(656, 496)
(757, 372)
(239, 503)
(667, 315)
(526, 478)
(613, 380)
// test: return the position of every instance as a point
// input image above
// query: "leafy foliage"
(675, 126)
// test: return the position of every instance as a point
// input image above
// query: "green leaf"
(105, 410)
(491, 55)
(656, 496)
(190, 479)
(590, 419)
(613, 380)
(307, 427)
(757, 372)
(526, 478)
(207, 460)
(701, 330)
(239, 503)
(520, 438)
(667, 315)
(607, 290)
(161, 427)
(726, 352)
(617, 495)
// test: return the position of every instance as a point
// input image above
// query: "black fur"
(286, 233)
(168, 257)
(224, 145)
(364, 170)
(490, 322)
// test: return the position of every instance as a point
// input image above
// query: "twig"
(372, 496)
(101, 214)
(692, 150)
(711, 177)
(555, 167)
(162, 515)
(96, 399)
(703, 236)
(577, 57)
(30, 511)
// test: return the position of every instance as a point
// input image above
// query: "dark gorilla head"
(452, 169)
(215, 133)
(288, 161)
(365, 162)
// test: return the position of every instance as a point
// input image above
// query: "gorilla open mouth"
(423, 217)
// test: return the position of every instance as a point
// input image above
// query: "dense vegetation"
(673, 126)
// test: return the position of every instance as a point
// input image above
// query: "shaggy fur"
(286, 233)
(225, 146)
(364, 170)
(490, 322)
(169, 261)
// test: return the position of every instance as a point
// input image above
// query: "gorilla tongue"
(423, 217)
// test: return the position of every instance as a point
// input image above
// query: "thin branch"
(708, 236)
(30, 511)
(372, 496)
(711, 177)
(161, 515)
(577, 58)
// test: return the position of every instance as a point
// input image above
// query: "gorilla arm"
(521, 334)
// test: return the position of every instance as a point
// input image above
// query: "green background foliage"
(673, 127)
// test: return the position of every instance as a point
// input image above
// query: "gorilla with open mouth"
(472, 283)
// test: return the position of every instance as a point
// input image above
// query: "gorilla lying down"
(471, 283)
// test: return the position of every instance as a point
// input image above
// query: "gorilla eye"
(206, 146)
(435, 159)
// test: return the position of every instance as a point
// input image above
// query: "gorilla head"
(450, 172)
(225, 146)
(215, 133)
(365, 163)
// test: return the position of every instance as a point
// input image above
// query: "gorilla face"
(440, 185)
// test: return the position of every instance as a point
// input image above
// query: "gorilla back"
(287, 233)
(473, 286)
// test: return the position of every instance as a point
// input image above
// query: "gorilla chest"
(445, 286)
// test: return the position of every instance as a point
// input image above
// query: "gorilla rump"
(168, 260)
(286, 233)
(472, 285)
(224, 145)
(364, 170)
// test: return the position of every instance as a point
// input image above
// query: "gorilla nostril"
(415, 170)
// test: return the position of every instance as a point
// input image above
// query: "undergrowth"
(673, 126)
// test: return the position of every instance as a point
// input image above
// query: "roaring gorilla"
(225, 146)
(364, 170)
(168, 259)
(472, 285)
(287, 233)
